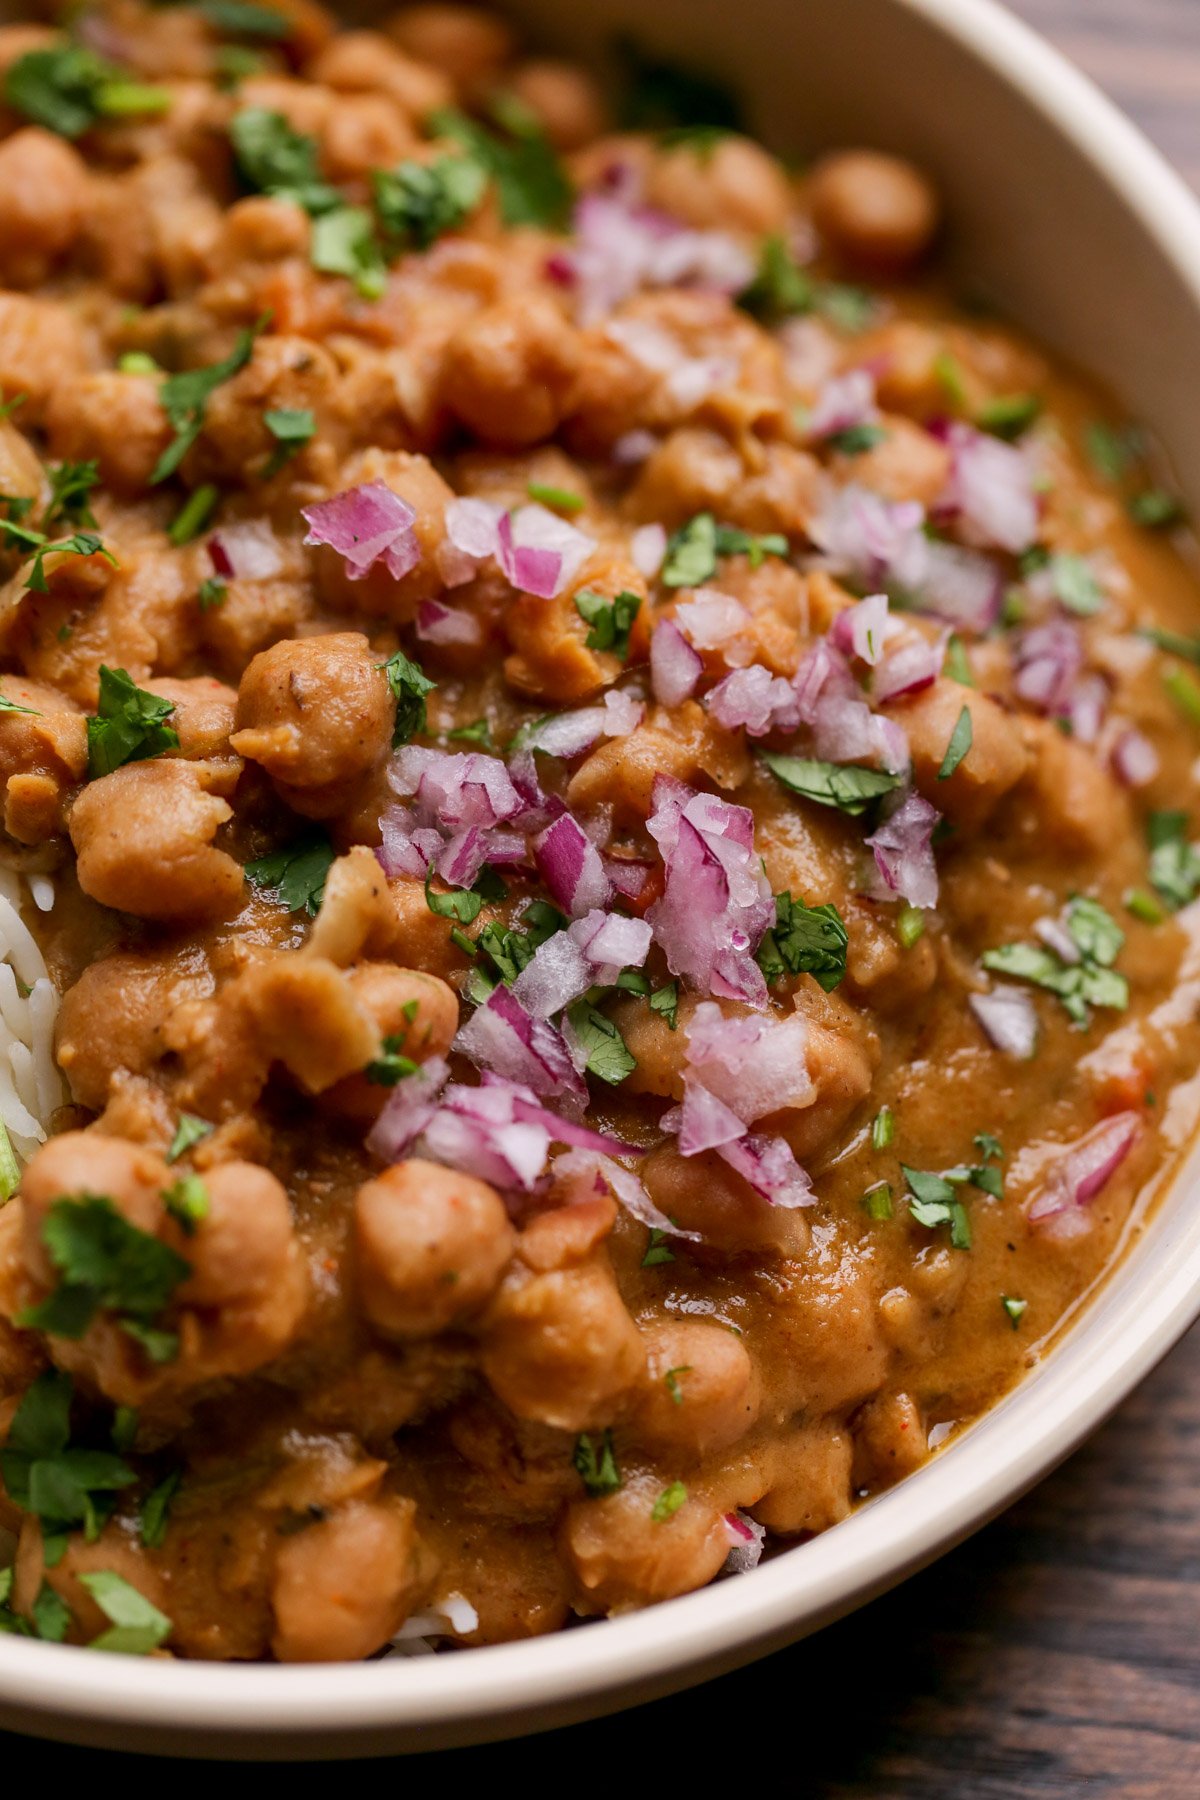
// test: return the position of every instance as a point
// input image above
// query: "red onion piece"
(408, 1109)
(633, 447)
(621, 248)
(844, 402)
(712, 621)
(991, 490)
(439, 624)
(1008, 1019)
(473, 527)
(746, 1540)
(904, 852)
(589, 1166)
(503, 1037)
(911, 666)
(1049, 660)
(755, 701)
(768, 1166)
(365, 525)
(572, 868)
(1083, 1170)
(1135, 761)
(647, 548)
(246, 550)
(540, 553)
(1054, 934)
(675, 667)
(862, 630)
(755, 1064)
(716, 901)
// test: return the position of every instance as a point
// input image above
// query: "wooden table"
(1058, 1653)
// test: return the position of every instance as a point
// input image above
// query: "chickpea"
(738, 186)
(247, 1280)
(116, 1550)
(416, 1012)
(703, 1194)
(510, 371)
(43, 350)
(622, 1557)
(701, 1391)
(316, 714)
(143, 839)
(875, 210)
(284, 373)
(343, 1586)
(431, 1245)
(996, 763)
(365, 62)
(808, 1480)
(465, 43)
(43, 757)
(565, 100)
(907, 464)
(116, 419)
(560, 1348)
(203, 713)
(114, 1020)
(43, 199)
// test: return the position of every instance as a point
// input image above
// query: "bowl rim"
(496, 1690)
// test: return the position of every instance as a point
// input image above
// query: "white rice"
(30, 1084)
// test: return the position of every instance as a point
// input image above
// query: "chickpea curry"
(603, 779)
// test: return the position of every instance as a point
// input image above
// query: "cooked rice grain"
(30, 1085)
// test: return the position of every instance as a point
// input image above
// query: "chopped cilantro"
(463, 904)
(52, 1617)
(607, 1053)
(910, 926)
(128, 725)
(1092, 981)
(292, 427)
(194, 514)
(611, 621)
(781, 288)
(344, 243)
(296, 875)
(1014, 1308)
(957, 665)
(273, 158)
(67, 89)
(409, 685)
(658, 1251)
(883, 1128)
(668, 1503)
(1075, 585)
(511, 950)
(1114, 450)
(1144, 906)
(137, 362)
(80, 543)
(478, 732)
(185, 396)
(1156, 509)
(949, 373)
(211, 593)
(71, 485)
(560, 499)
(152, 1521)
(805, 940)
(692, 550)
(665, 1001)
(391, 1065)
(1174, 862)
(1094, 930)
(1009, 415)
(530, 180)
(135, 1626)
(105, 1263)
(596, 1465)
(961, 739)
(877, 1201)
(1182, 689)
(66, 1485)
(1174, 642)
(10, 1169)
(848, 309)
(989, 1146)
(244, 18)
(855, 440)
(847, 786)
(932, 1201)
(418, 203)
(671, 1380)
(187, 1200)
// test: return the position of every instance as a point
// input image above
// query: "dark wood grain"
(1055, 1655)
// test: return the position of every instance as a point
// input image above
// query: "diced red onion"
(557, 975)
(1086, 708)
(365, 525)
(844, 402)
(716, 902)
(473, 527)
(439, 624)
(712, 621)
(768, 1165)
(407, 1110)
(1082, 1172)
(991, 490)
(675, 667)
(1054, 934)
(862, 630)
(1134, 759)
(628, 875)
(1008, 1020)
(612, 942)
(746, 1540)
(755, 1064)
(962, 587)
(588, 1166)
(647, 548)
(704, 1122)
(633, 447)
(1049, 659)
(623, 712)
(456, 790)
(503, 1037)
(246, 550)
(872, 538)
(572, 868)
(903, 852)
(540, 553)
(911, 666)
(621, 248)
(755, 701)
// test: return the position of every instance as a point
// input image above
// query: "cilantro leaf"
(1114, 450)
(608, 1055)
(67, 89)
(961, 739)
(781, 288)
(244, 18)
(848, 786)
(187, 1200)
(1174, 862)
(1015, 1309)
(52, 1616)
(932, 1201)
(693, 549)
(128, 725)
(292, 427)
(1156, 509)
(81, 543)
(1009, 416)
(71, 485)
(296, 875)
(805, 940)
(189, 1132)
(530, 180)
(391, 1065)
(665, 1001)
(409, 685)
(344, 243)
(136, 1626)
(1173, 642)
(1092, 981)
(274, 158)
(658, 1250)
(463, 904)
(152, 1522)
(564, 500)
(185, 396)
(1094, 930)
(611, 621)
(104, 1263)
(418, 203)
(596, 1465)
(44, 1474)
(668, 1503)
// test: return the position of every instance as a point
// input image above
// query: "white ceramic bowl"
(1064, 210)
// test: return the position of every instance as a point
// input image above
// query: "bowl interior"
(1061, 210)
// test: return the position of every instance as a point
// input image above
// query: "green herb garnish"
(409, 685)
(668, 1503)
(128, 725)
(596, 1464)
(847, 786)
(295, 876)
(106, 1264)
(608, 1056)
(185, 396)
(611, 621)
(189, 1132)
(805, 939)
(961, 739)
(418, 203)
